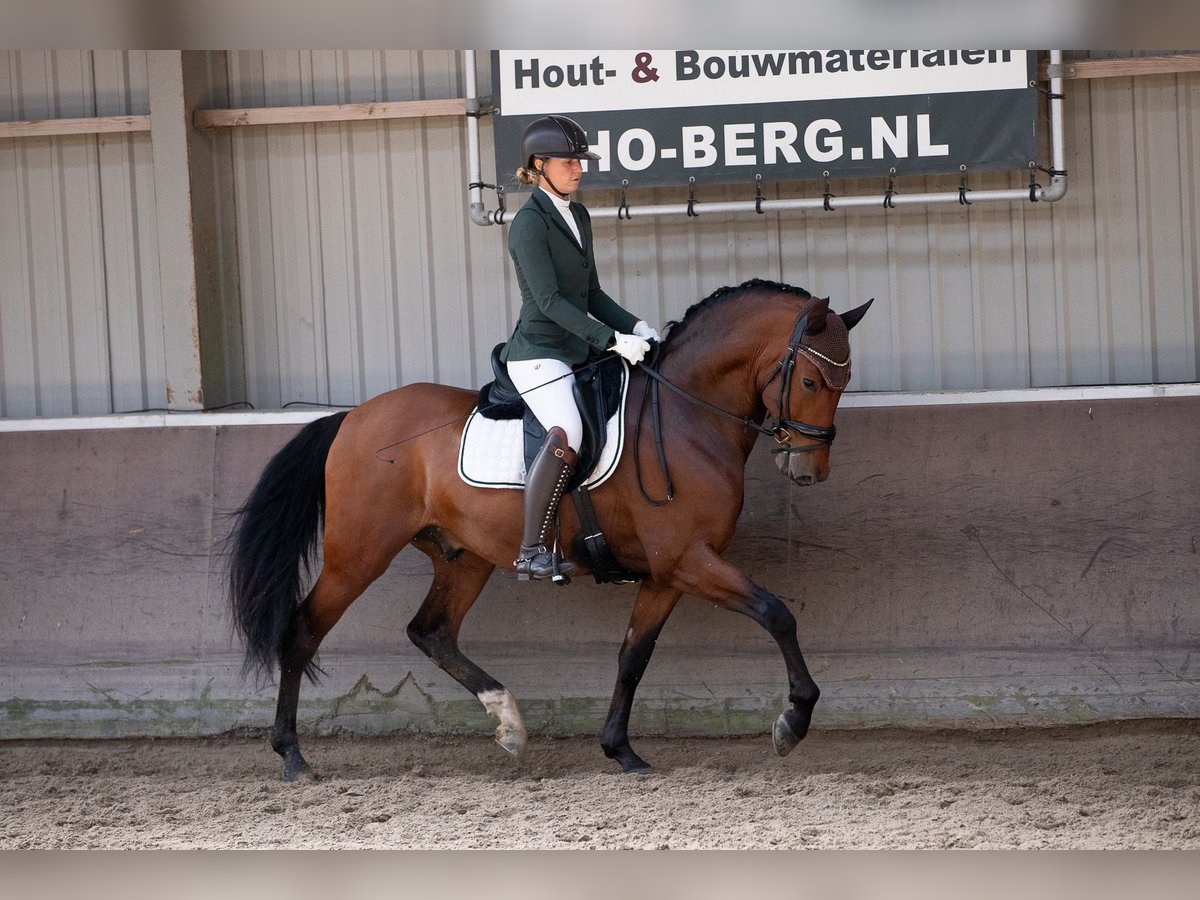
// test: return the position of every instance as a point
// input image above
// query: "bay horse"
(727, 363)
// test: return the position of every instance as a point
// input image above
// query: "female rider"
(564, 317)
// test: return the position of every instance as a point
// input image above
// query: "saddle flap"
(598, 397)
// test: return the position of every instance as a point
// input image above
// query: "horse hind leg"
(458, 579)
(333, 592)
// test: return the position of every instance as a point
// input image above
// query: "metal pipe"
(1058, 156)
(814, 203)
(479, 215)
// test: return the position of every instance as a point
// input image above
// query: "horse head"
(812, 376)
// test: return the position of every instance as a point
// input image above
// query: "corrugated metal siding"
(359, 269)
(1100, 288)
(80, 325)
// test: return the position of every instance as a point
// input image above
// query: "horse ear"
(854, 316)
(817, 310)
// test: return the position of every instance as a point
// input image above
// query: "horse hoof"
(301, 774)
(783, 736)
(630, 762)
(511, 741)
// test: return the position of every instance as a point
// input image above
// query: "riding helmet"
(555, 136)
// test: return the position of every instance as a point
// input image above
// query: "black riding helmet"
(555, 136)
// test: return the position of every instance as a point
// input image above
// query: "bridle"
(822, 434)
(781, 430)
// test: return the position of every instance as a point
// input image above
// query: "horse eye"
(810, 384)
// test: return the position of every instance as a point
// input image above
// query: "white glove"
(630, 346)
(642, 330)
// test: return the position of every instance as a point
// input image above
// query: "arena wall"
(965, 564)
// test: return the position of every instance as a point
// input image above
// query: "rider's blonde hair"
(528, 174)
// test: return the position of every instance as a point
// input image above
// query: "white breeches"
(545, 385)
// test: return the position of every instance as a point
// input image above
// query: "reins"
(781, 431)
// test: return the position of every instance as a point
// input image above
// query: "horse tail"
(275, 532)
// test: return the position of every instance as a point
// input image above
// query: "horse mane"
(676, 328)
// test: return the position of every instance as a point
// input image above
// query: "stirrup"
(538, 563)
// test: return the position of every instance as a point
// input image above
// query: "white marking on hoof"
(510, 733)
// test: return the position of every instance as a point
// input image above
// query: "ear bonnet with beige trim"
(826, 342)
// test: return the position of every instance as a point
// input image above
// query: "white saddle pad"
(492, 451)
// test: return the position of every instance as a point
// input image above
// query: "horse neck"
(725, 356)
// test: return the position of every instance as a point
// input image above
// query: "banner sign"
(660, 117)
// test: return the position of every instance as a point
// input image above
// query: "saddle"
(598, 389)
(597, 392)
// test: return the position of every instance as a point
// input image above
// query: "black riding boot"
(544, 483)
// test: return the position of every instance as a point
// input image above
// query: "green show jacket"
(559, 287)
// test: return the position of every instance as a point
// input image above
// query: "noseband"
(781, 431)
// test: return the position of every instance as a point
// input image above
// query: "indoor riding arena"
(995, 586)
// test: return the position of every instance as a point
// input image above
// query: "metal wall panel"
(363, 271)
(1100, 288)
(80, 330)
(360, 271)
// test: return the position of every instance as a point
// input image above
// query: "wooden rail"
(232, 118)
(57, 127)
(340, 112)
(413, 109)
(1118, 68)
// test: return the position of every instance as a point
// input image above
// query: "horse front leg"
(704, 573)
(650, 611)
(457, 582)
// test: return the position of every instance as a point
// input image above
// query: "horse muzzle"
(803, 462)
(804, 468)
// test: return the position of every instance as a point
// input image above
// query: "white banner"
(566, 81)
